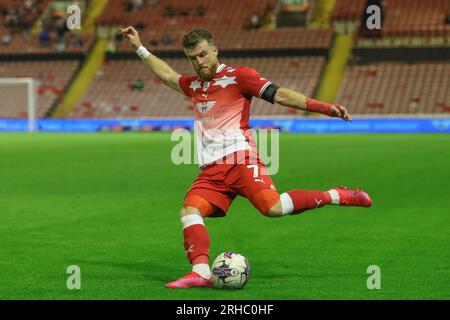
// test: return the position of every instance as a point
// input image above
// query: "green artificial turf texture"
(109, 204)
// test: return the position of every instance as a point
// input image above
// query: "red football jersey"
(222, 110)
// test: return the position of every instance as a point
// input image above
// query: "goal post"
(31, 98)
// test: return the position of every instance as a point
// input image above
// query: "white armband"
(142, 52)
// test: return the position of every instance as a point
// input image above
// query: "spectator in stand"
(295, 5)
(11, 19)
(60, 46)
(293, 13)
(118, 40)
(152, 3)
(139, 25)
(25, 26)
(153, 43)
(137, 85)
(136, 5)
(167, 40)
(111, 47)
(28, 4)
(44, 38)
(75, 42)
(61, 30)
(133, 5)
(184, 11)
(200, 11)
(169, 11)
(254, 22)
(6, 38)
(268, 15)
(447, 19)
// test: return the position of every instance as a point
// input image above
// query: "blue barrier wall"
(362, 125)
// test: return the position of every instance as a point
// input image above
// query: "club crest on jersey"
(204, 107)
(206, 85)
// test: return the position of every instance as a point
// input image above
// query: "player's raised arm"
(293, 99)
(157, 66)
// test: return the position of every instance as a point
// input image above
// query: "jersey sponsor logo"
(224, 81)
(204, 107)
(207, 119)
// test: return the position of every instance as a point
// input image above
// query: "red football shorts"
(220, 183)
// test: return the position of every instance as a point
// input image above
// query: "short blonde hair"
(193, 37)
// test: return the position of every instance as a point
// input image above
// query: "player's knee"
(266, 211)
(267, 202)
(196, 204)
(185, 211)
(275, 211)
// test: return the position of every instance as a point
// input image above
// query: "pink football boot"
(353, 197)
(192, 279)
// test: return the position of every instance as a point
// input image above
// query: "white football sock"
(202, 269)
(287, 206)
(334, 196)
(190, 220)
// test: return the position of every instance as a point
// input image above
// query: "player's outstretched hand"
(132, 35)
(340, 112)
(330, 109)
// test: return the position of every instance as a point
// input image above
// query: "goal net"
(18, 100)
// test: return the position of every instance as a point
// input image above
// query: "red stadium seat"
(396, 88)
(109, 93)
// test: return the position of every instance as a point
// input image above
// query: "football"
(230, 270)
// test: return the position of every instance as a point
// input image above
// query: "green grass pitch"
(109, 204)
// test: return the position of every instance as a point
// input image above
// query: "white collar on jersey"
(220, 67)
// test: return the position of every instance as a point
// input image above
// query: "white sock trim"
(334, 196)
(287, 206)
(190, 220)
(202, 269)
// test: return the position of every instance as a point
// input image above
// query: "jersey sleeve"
(251, 82)
(184, 82)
